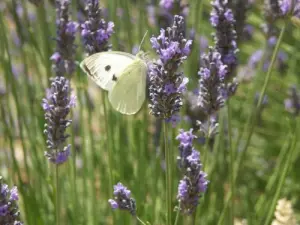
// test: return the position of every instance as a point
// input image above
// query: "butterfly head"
(143, 55)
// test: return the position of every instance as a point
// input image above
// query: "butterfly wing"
(129, 93)
(104, 68)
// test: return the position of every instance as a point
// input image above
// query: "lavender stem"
(168, 176)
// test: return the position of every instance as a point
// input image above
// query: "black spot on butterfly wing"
(114, 78)
(107, 68)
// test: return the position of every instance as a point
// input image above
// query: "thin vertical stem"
(168, 176)
(231, 162)
(177, 215)
(282, 178)
(194, 216)
(57, 205)
(110, 177)
(206, 147)
(138, 219)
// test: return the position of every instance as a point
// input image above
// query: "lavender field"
(213, 92)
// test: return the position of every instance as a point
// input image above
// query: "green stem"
(231, 161)
(206, 147)
(273, 179)
(282, 179)
(138, 219)
(177, 215)
(110, 159)
(168, 176)
(221, 218)
(194, 216)
(57, 208)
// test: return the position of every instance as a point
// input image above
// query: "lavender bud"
(63, 58)
(194, 182)
(275, 9)
(241, 8)
(168, 8)
(223, 21)
(9, 210)
(292, 104)
(166, 83)
(166, 4)
(211, 84)
(122, 199)
(95, 30)
(57, 105)
(272, 9)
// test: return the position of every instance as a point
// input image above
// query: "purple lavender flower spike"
(63, 58)
(211, 85)
(166, 83)
(166, 4)
(223, 21)
(9, 211)
(240, 8)
(95, 30)
(272, 9)
(122, 199)
(194, 183)
(14, 194)
(167, 10)
(57, 105)
(275, 9)
(292, 103)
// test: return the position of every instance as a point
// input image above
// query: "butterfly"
(123, 75)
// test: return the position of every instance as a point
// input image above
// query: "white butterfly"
(123, 75)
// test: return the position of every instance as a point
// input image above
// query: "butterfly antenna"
(143, 40)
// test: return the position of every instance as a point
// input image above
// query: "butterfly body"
(123, 75)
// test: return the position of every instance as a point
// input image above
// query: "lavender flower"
(166, 4)
(223, 21)
(175, 7)
(272, 9)
(95, 31)
(9, 211)
(122, 199)
(275, 9)
(63, 58)
(211, 84)
(185, 147)
(247, 32)
(166, 83)
(57, 105)
(194, 182)
(292, 104)
(241, 8)
(169, 8)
